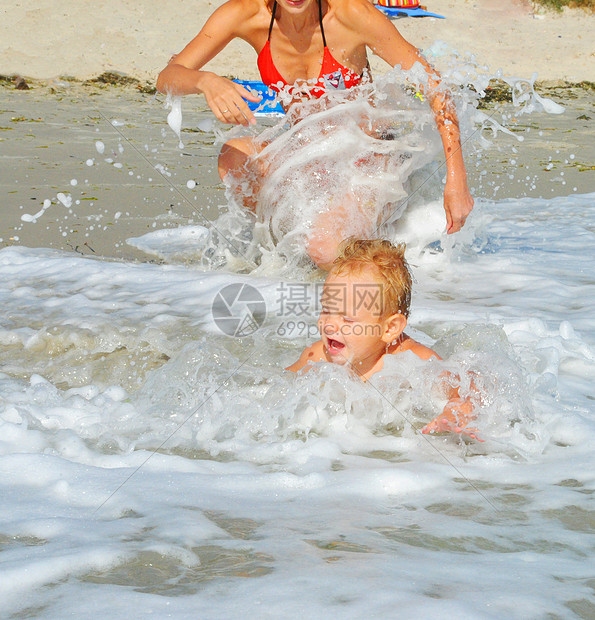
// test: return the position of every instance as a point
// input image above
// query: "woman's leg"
(323, 242)
(332, 227)
(237, 171)
(243, 172)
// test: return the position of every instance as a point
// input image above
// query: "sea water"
(157, 460)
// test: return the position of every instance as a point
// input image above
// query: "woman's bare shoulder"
(355, 13)
(240, 12)
(247, 7)
(245, 19)
(372, 28)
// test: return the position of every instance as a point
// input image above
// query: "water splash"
(364, 163)
(174, 117)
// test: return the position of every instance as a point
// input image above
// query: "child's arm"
(458, 412)
(313, 353)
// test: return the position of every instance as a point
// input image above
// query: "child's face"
(353, 329)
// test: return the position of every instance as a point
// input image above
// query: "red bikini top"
(333, 75)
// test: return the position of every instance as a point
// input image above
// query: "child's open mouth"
(334, 346)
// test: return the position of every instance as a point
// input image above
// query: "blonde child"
(365, 304)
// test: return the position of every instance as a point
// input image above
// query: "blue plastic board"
(398, 11)
(268, 105)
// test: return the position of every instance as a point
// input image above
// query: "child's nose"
(329, 324)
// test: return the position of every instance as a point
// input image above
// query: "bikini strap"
(272, 19)
(320, 21)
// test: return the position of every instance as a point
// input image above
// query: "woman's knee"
(323, 248)
(234, 155)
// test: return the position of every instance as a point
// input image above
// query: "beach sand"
(82, 39)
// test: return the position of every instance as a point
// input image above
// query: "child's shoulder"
(409, 344)
(311, 354)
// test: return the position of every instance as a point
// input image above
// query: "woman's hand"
(226, 99)
(458, 203)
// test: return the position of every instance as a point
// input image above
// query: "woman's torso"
(302, 56)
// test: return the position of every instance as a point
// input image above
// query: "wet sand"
(48, 140)
(48, 137)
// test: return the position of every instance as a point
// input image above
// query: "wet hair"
(391, 268)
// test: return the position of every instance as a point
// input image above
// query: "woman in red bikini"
(311, 46)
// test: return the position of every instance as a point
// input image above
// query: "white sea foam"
(246, 470)
(64, 199)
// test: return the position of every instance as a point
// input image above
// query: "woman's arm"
(381, 36)
(183, 74)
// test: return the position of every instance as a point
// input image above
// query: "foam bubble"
(64, 199)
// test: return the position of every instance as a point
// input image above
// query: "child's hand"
(444, 423)
(454, 419)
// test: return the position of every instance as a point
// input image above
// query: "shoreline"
(116, 79)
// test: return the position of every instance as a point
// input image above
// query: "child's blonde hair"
(390, 264)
